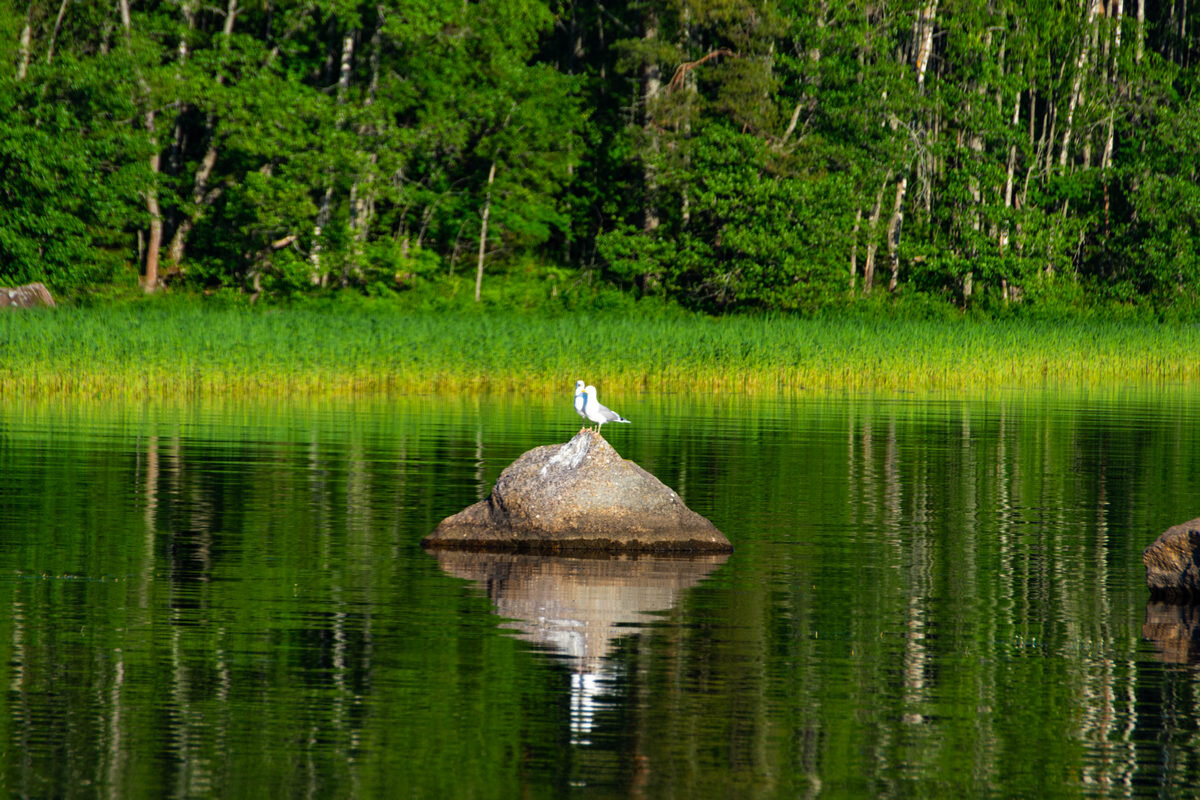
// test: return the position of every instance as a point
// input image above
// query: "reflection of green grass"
(181, 349)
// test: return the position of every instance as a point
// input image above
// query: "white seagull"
(580, 399)
(597, 412)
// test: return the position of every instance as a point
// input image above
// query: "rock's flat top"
(1171, 563)
(578, 496)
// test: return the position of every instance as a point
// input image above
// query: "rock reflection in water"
(1175, 630)
(579, 606)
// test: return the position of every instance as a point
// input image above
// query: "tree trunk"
(58, 21)
(1106, 157)
(326, 209)
(792, 122)
(854, 249)
(362, 206)
(1009, 175)
(872, 238)
(651, 86)
(1077, 82)
(808, 98)
(24, 44)
(893, 233)
(487, 211)
(1046, 143)
(925, 19)
(1141, 32)
(154, 240)
(201, 196)
(178, 133)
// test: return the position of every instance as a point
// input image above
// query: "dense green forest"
(785, 154)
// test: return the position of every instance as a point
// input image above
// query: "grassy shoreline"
(161, 350)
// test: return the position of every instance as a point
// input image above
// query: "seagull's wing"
(608, 414)
(598, 412)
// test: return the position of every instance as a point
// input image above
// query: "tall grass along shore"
(160, 350)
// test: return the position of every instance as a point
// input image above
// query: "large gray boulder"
(1172, 571)
(31, 295)
(578, 497)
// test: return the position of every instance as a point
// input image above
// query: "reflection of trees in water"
(934, 558)
(180, 571)
(998, 529)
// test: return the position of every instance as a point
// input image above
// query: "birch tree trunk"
(362, 190)
(1010, 174)
(651, 86)
(925, 18)
(1077, 81)
(872, 238)
(808, 97)
(201, 196)
(487, 211)
(326, 209)
(1106, 157)
(58, 21)
(178, 134)
(854, 248)
(362, 205)
(893, 233)
(24, 44)
(154, 239)
(1118, 11)
(924, 29)
(1141, 32)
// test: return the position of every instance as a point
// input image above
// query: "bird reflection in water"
(578, 607)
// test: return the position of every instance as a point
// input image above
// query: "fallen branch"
(687, 66)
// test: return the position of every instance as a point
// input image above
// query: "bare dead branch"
(683, 69)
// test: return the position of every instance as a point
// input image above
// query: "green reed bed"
(180, 349)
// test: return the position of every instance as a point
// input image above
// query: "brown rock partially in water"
(578, 606)
(578, 496)
(31, 295)
(1172, 572)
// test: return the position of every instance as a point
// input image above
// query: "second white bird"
(580, 399)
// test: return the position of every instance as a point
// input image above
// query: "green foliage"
(66, 176)
(725, 154)
(755, 235)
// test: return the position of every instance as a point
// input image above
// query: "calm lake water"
(928, 597)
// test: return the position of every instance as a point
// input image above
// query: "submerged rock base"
(578, 497)
(1172, 572)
